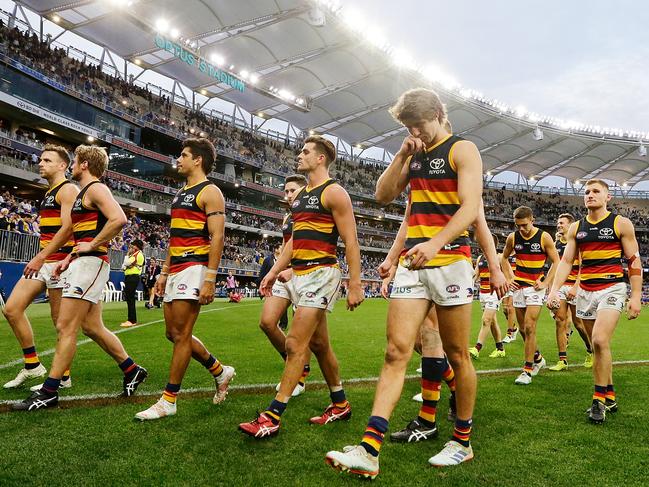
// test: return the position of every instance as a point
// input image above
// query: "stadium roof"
(348, 82)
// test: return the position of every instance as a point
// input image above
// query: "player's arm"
(66, 196)
(395, 178)
(551, 250)
(338, 202)
(212, 201)
(468, 164)
(476, 269)
(100, 197)
(634, 263)
(497, 279)
(504, 258)
(392, 258)
(564, 266)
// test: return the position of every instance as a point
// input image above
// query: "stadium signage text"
(201, 64)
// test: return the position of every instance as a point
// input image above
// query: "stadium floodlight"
(138, 61)
(174, 33)
(299, 101)
(254, 78)
(538, 133)
(354, 19)
(125, 102)
(520, 111)
(244, 74)
(90, 138)
(56, 19)
(231, 67)
(311, 132)
(489, 173)
(216, 59)
(376, 37)
(642, 150)
(402, 58)
(203, 92)
(625, 185)
(161, 25)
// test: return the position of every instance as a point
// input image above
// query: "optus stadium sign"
(199, 63)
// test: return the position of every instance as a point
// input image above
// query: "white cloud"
(609, 92)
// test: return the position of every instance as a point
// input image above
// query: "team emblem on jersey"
(295, 204)
(415, 165)
(518, 247)
(581, 234)
(77, 204)
(535, 247)
(49, 200)
(437, 164)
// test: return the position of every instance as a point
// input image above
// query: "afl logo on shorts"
(415, 166)
(581, 234)
(453, 288)
(535, 247)
(437, 164)
(182, 287)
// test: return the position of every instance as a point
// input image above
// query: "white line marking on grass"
(116, 332)
(269, 386)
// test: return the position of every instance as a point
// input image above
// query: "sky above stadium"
(577, 60)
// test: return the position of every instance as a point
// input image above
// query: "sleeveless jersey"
(190, 240)
(574, 271)
(315, 235)
(600, 249)
(50, 223)
(512, 262)
(530, 258)
(287, 228)
(483, 273)
(434, 200)
(87, 223)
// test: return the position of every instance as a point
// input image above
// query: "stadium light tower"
(642, 150)
(538, 133)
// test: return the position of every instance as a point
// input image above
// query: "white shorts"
(45, 276)
(185, 284)
(285, 290)
(489, 301)
(590, 302)
(85, 279)
(450, 285)
(563, 294)
(528, 296)
(318, 289)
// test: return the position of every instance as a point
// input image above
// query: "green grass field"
(530, 436)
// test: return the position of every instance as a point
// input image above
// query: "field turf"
(530, 436)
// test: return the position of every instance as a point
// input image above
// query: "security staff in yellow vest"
(133, 265)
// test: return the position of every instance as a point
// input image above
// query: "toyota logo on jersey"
(437, 164)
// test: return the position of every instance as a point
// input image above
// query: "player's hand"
(572, 293)
(160, 284)
(411, 145)
(422, 253)
(498, 283)
(384, 268)
(385, 287)
(33, 266)
(286, 275)
(206, 294)
(83, 247)
(266, 284)
(540, 285)
(61, 267)
(553, 302)
(633, 308)
(513, 286)
(355, 297)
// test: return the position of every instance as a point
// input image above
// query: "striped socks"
(338, 398)
(171, 392)
(305, 374)
(213, 366)
(431, 384)
(499, 346)
(128, 366)
(528, 367)
(600, 394)
(373, 436)
(610, 393)
(462, 431)
(51, 385)
(31, 358)
(448, 375)
(563, 357)
(275, 410)
(66, 375)
(478, 346)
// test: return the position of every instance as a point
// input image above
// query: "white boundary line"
(51, 351)
(247, 387)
